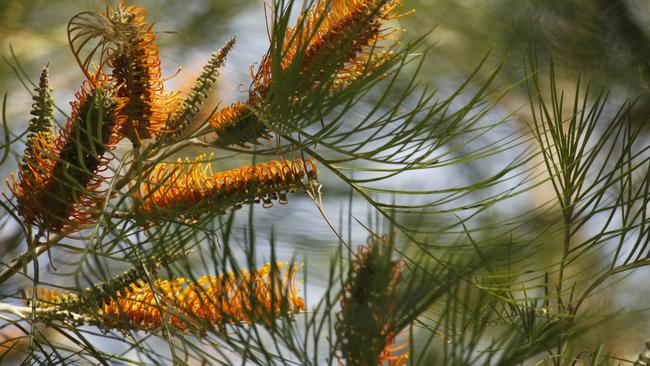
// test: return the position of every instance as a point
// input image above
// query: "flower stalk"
(39, 130)
(184, 115)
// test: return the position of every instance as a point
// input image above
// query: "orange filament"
(188, 306)
(136, 70)
(394, 354)
(179, 188)
(52, 189)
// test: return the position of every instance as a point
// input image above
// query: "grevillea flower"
(341, 38)
(189, 187)
(235, 124)
(135, 62)
(102, 293)
(365, 325)
(193, 306)
(53, 187)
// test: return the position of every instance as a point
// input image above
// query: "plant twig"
(27, 257)
(25, 312)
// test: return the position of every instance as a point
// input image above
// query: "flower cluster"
(59, 182)
(369, 302)
(63, 179)
(342, 37)
(135, 64)
(192, 305)
(129, 50)
(191, 187)
(332, 44)
(61, 170)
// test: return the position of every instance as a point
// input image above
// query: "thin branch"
(27, 257)
(25, 312)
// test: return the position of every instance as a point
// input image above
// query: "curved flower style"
(342, 38)
(193, 187)
(393, 354)
(193, 306)
(53, 185)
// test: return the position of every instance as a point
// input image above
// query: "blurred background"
(605, 42)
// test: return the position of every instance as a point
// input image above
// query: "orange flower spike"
(342, 38)
(34, 164)
(228, 115)
(324, 36)
(365, 324)
(53, 190)
(210, 300)
(135, 62)
(235, 124)
(180, 187)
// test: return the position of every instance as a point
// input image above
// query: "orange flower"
(365, 324)
(336, 37)
(190, 306)
(179, 188)
(52, 187)
(135, 62)
(341, 36)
